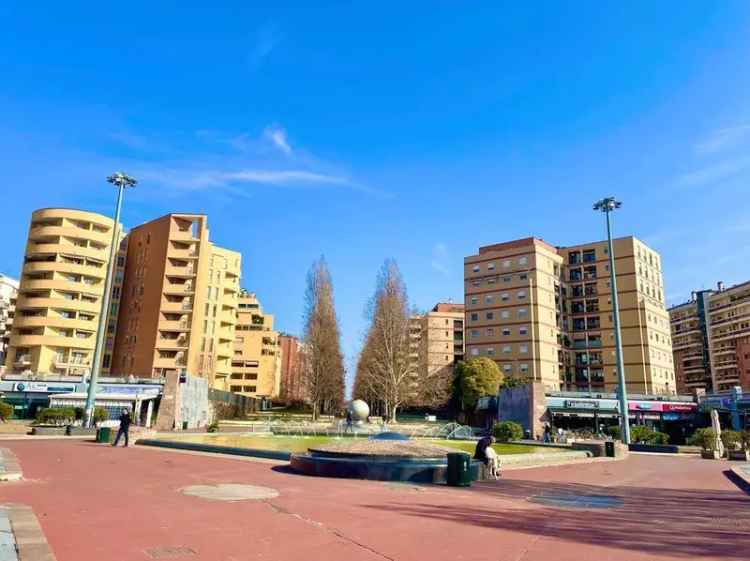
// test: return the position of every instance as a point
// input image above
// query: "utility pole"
(121, 181)
(607, 205)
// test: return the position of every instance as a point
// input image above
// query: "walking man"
(124, 427)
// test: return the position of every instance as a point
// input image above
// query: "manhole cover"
(578, 501)
(230, 492)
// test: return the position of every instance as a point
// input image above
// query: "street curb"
(11, 470)
(195, 447)
(30, 541)
(742, 472)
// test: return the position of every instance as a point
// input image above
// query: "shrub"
(642, 434)
(6, 410)
(615, 432)
(731, 439)
(100, 414)
(507, 431)
(705, 438)
(745, 436)
(213, 427)
(56, 415)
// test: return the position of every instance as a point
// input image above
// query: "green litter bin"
(609, 449)
(103, 434)
(459, 473)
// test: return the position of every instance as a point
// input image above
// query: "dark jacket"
(482, 445)
(125, 421)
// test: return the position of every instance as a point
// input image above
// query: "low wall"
(213, 448)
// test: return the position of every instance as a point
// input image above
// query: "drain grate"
(168, 552)
(578, 501)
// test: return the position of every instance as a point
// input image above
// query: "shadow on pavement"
(695, 523)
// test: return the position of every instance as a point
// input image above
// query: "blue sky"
(362, 131)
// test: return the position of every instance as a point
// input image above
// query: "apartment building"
(8, 294)
(293, 387)
(256, 360)
(178, 302)
(60, 292)
(436, 340)
(711, 339)
(544, 313)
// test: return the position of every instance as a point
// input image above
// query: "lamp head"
(607, 204)
(122, 180)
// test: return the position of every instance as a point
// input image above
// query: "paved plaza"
(96, 503)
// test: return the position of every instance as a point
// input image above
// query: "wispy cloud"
(715, 172)
(198, 180)
(440, 258)
(723, 139)
(131, 140)
(276, 135)
(267, 39)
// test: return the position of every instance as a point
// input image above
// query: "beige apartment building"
(256, 360)
(60, 292)
(178, 302)
(436, 340)
(544, 313)
(711, 339)
(8, 295)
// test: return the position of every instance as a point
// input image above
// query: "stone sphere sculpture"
(359, 410)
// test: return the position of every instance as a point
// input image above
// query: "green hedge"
(507, 431)
(6, 410)
(705, 438)
(642, 434)
(56, 415)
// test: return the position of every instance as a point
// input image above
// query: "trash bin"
(103, 434)
(609, 449)
(459, 474)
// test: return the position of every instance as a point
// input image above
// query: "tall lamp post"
(607, 205)
(121, 181)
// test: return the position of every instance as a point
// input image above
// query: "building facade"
(544, 313)
(711, 335)
(293, 388)
(60, 293)
(436, 344)
(256, 360)
(8, 295)
(178, 301)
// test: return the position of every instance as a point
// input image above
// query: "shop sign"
(44, 387)
(579, 404)
(687, 407)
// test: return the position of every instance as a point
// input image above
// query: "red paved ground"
(96, 503)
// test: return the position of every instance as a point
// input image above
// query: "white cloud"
(197, 180)
(276, 135)
(723, 139)
(715, 172)
(440, 258)
(266, 40)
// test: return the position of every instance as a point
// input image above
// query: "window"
(506, 279)
(488, 299)
(504, 296)
(523, 276)
(474, 351)
(475, 268)
(474, 300)
(506, 264)
(507, 349)
(505, 314)
(521, 294)
(523, 367)
(490, 331)
(523, 260)
(474, 317)
(476, 283)
(491, 280)
(490, 315)
(490, 351)
(523, 348)
(523, 330)
(507, 368)
(522, 312)
(490, 266)
(506, 331)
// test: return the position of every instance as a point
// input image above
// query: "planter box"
(741, 455)
(79, 431)
(710, 455)
(48, 431)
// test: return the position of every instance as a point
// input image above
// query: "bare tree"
(384, 370)
(322, 359)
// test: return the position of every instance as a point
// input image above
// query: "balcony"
(179, 288)
(165, 325)
(172, 343)
(182, 272)
(23, 360)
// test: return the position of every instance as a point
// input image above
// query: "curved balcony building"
(60, 292)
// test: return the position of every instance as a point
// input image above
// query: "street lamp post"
(121, 181)
(607, 205)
